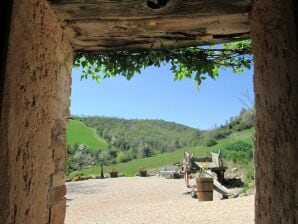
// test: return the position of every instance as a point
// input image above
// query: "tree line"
(132, 139)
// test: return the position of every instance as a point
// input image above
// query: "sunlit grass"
(78, 132)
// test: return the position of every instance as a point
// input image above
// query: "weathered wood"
(96, 35)
(100, 25)
(88, 9)
(229, 24)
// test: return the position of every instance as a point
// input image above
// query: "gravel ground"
(152, 200)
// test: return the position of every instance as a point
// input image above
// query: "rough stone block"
(58, 212)
(57, 194)
(59, 153)
(60, 165)
(58, 179)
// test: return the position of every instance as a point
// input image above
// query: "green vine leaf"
(185, 62)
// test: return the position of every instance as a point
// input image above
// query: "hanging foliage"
(185, 62)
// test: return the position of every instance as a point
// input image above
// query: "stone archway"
(37, 79)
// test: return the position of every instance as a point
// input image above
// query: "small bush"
(210, 142)
(250, 175)
(226, 132)
(248, 118)
(123, 157)
(238, 152)
(218, 133)
(242, 126)
(79, 157)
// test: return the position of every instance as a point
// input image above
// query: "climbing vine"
(185, 62)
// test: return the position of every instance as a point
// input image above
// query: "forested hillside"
(143, 137)
(237, 148)
(121, 140)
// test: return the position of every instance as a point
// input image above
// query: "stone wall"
(274, 31)
(33, 119)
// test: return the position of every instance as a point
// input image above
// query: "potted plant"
(114, 172)
(142, 171)
(204, 184)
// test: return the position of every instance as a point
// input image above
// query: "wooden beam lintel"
(88, 9)
(94, 47)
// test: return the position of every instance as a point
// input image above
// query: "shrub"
(245, 120)
(144, 150)
(133, 153)
(217, 133)
(250, 175)
(80, 156)
(210, 142)
(70, 165)
(238, 152)
(226, 132)
(248, 118)
(123, 157)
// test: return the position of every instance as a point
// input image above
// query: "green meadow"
(78, 132)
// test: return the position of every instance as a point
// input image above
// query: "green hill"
(78, 132)
(144, 135)
(156, 143)
(131, 167)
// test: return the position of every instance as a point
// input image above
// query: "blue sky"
(154, 95)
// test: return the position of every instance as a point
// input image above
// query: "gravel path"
(152, 200)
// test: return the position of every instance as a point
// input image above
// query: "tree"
(186, 62)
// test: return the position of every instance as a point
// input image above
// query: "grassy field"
(245, 136)
(130, 168)
(78, 132)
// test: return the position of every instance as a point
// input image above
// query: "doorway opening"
(35, 98)
(131, 143)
